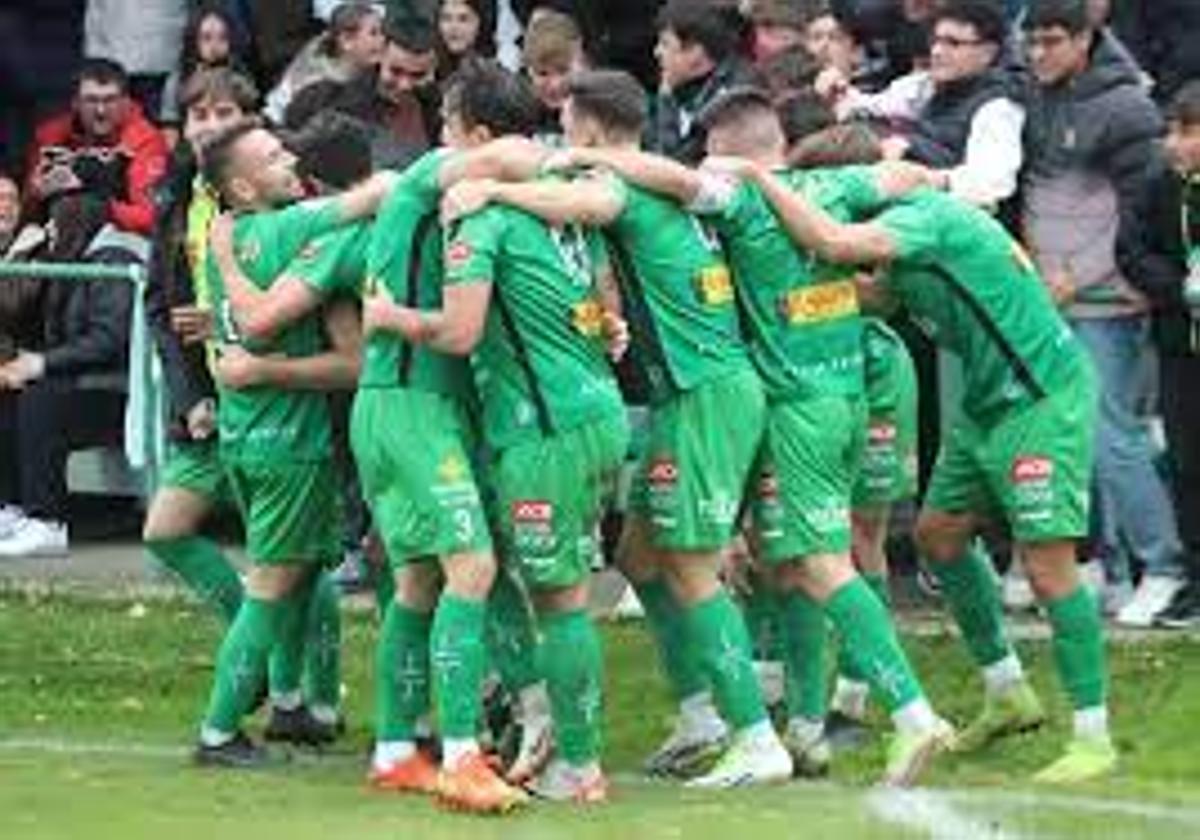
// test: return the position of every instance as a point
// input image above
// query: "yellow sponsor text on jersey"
(825, 302)
(715, 285)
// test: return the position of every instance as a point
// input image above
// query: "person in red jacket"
(103, 147)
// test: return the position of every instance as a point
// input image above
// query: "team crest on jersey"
(1028, 469)
(459, 253)
(452, 469)
(588, 318)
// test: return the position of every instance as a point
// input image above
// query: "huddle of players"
(487, 413)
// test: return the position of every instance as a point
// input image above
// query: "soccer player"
(274, 440)
(193, 482)
(707, 412)
(1020, 449)
(523, 299)
(426, 508)
(805, 337)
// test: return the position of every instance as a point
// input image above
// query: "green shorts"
(888, 472)
(292, 511)
(416, 474)
(800, 502)
(699, 450)
(196, 467)
(1032, 466)
(552, 493)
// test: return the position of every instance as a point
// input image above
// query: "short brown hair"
(613, 98)
(551, 38)
(844, 144)
(220, 84)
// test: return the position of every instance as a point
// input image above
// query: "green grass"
(79, 673)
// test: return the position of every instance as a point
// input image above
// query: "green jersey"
(975, 291)
(678, 295)
(800, 313)
(540, 367)
(336, 263)
(405, 255)
(270, 426)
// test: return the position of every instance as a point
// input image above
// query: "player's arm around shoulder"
(595, 199)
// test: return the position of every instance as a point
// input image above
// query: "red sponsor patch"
(1031, 468)
(882, 433)
(768, 486)
(532, 511)
(662, 471)
(458, 253)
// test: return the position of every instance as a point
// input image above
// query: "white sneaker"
(10, 516)
(1017, 594)
(537, 746)
(750, 760)
(628, 607)
(810, 751)
(691, 743)
(1151, 597)
(35, 538)
(560, 782)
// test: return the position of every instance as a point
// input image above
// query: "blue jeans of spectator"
(1133, 508)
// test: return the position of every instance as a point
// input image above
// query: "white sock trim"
(288, 701)
(455, 750)
(1000, 676)
(850, 697)
(915, 718)
(1091, 723)
(210, 737)
(388, 753)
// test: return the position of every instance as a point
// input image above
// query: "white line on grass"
(931, 812)
(66, 747)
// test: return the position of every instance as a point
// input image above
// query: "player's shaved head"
(743, 122)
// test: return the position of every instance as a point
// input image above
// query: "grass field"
(99, 702)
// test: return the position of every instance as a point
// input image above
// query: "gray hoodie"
(1088, 143)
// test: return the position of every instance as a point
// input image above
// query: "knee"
(561, 599)
(470, 576)
(417, 586)
(941, 538)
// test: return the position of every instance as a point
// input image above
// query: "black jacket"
(1152, 250)
(673, 130)
(939, 137)
(1165, 37)
(184, 367)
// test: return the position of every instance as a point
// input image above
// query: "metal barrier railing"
(83, 272)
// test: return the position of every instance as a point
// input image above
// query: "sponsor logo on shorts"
(768, 487)
(662, 473)
(881, 433)
(720, 510)
(459, 253)
(532, 513)
(1032, 468)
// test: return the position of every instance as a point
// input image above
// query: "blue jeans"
(1133, 510)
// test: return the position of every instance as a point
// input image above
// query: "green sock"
(676, 655)
(761, 610)
(286, 662)
(1079, 647)
(846, 666)
(242, 663)
(511, 636)
(401, 673)
(200, 563)
(805, 631)
(457, 658)
(323, 645)
(969, 589)
(574, 668)
(717, 632)
(869, 638)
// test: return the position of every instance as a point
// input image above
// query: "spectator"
(1163, 34)
(177, 296)
(552, 51)
(279, 30)
(208, 41)
(962, 115)
(20, 298)
(66, 388)
(143, 36)
(837, 42)
(351, 47)
(398, 104)
(777, 25)
(698, 60)
(102, 147)
(1160, 253)
(789, 72)
(1089, 140)
(465, 27)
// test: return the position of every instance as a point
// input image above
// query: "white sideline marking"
(931, 812)
(1012, 799)
(65, 747)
